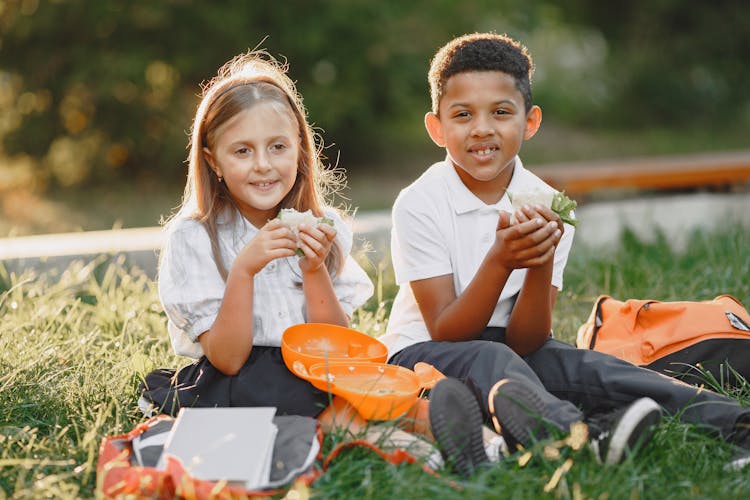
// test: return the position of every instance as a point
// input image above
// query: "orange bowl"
(312, 343)
(377, 390)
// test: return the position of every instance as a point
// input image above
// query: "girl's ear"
(209, 156)
(533, 121)
(434, 128)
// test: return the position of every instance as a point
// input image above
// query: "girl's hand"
(315, 243)
(530, 242)
(274, 241)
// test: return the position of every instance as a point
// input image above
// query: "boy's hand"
(528, 212)
(274, 241)
(315, 243)
(527, 243)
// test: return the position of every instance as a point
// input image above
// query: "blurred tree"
(97, 92)
(672, 62)
(94, 91)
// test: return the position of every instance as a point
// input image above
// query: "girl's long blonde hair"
(242, 82)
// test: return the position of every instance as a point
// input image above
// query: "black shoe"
(456, 422)
(618, 433)
(517, 413)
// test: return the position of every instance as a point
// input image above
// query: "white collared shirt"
(440, 227)
(191, 288)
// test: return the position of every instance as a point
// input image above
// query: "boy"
(477, 291)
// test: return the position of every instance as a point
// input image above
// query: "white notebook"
(232, 444)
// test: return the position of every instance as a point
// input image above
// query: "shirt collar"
(465, 201)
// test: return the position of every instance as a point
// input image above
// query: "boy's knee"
(494, 353)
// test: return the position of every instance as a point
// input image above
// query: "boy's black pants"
(569, 378)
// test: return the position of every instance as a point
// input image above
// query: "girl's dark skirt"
(264, 380)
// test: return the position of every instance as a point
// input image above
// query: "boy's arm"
(531, 318)
(464, 317)
(451, 318)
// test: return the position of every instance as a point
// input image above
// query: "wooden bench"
(707, 170)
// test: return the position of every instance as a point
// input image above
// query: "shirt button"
(282, 314)
(271, 266)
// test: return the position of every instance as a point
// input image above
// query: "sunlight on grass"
(74, 344)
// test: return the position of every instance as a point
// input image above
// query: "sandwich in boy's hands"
(529, 240)
(558, 202)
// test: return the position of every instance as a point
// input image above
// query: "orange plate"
(311, 343)
(427, 374)
(378, 391)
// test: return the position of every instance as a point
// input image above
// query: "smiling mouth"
(484, 152)
(263, 185)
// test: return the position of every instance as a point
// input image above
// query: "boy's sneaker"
(739, 461)
(740, 440)
(494, 444)
(456, 423)
(615, 434)
(390, 438)
(517, 413)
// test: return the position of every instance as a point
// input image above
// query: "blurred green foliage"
(98, 91)
(672, 62)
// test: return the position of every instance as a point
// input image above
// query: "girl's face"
(256, 152)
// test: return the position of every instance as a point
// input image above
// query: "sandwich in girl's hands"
(554, 200)
(294, 218)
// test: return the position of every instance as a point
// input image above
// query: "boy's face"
(482, 123)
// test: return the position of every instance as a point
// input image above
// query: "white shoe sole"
(634, 428)
(738, 464)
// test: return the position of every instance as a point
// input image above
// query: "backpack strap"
(586, 338)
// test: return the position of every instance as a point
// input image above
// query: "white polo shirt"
(440, 227)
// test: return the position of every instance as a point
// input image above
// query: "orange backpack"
(684, 339)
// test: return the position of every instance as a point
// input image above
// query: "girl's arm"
(227, 344)
(465, 317)
(322, 304)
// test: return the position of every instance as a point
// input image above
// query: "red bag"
(681, 339)
(118, 477)
(117, 474)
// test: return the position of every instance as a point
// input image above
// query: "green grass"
(75, 343)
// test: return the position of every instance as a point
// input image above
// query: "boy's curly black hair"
(481, 52)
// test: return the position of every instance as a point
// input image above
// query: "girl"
(229, 279)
